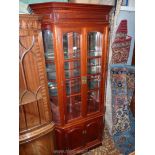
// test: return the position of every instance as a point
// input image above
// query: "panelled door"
(75, 138)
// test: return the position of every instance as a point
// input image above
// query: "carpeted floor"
(107, 148)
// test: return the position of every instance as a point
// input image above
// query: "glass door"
(72, 74)
(94, 70)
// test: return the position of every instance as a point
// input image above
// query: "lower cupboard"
(80, 137)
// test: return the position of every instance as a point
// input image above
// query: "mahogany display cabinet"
(76, 51)
(35, 120)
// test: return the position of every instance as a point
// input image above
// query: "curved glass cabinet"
(51, 73)
(76, 48)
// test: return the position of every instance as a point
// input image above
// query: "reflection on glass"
(94, 67)
(51, 73)
(52, 88)
(48, 44)
(73, 107)
(94, 82)
(94, 44)
(71, 73)
(94, 52)
(72, 65)
(73, 86)
(93, 101)
(71, 45)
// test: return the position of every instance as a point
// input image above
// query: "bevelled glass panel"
(71, 45)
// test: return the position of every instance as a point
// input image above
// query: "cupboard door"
(93, 131)
(75, 138)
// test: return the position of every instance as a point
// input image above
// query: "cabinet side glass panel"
(94, 40)
(71, 47)
(51, 73)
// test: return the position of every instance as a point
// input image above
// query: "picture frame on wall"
(124, 3)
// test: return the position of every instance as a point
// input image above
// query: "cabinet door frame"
(60, 31)
(104, 29)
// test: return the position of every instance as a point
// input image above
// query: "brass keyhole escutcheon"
(84, 80)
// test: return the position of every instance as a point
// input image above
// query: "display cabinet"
(35, 121)
(76, 50)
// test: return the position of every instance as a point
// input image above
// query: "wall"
(23, 4)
